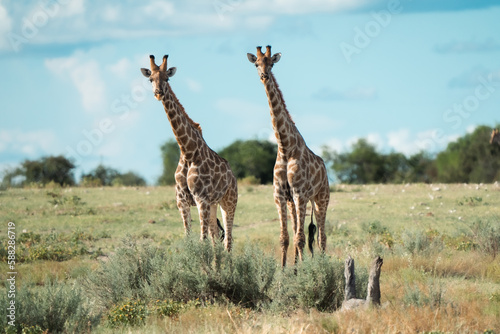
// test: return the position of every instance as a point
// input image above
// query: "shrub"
(434, 297)
(200, 270)
(193, 270)
(125, 275)
(55, 246)
(315, 283)
(55, 307)
(420, 242)
(167, 308)
(130, 313)
(486, 235)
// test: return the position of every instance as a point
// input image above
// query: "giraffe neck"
(187, 132)
(287, 135)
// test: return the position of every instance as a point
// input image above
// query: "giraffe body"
(299, 174)
(203, 178)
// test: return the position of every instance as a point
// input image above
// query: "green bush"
(193, 270)
(126, 274)
(56, 307)
(486, 235)
(130, 313)
(54, 246)
(315, 283)
(197, 270)
(433, 297)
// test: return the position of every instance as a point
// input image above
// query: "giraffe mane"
(176, 100)
(281, 97)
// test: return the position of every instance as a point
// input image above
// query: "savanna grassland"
(115, 260)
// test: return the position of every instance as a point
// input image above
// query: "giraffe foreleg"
(281, 203)
(204, 212)
(299, 239)
(184, 206)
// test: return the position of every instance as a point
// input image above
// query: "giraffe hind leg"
(321, 207)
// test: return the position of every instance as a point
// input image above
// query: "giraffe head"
(495, 137)
(158, 76)
(264, 62)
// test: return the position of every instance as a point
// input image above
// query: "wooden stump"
(373, 295)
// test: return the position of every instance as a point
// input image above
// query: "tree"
(170, 154)
(56, 169)
(107, 176)
(128, 179)
(470, 159)
(100, 176)
(422, 168)
(362, 165)
(365, 165)
(251, 158)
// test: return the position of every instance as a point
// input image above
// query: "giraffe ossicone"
(299, 174)
(202, 179)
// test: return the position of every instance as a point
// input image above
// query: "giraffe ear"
(276, 57)
(146, 72)
(251, 58)
(171, 71)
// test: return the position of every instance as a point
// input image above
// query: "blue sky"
(406, 75)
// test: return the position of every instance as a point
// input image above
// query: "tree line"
(469, 159)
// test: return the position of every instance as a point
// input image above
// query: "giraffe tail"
(312, 230)
(222, 232)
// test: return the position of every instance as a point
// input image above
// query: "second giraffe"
(299, 174)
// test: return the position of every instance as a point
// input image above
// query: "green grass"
(440, 245)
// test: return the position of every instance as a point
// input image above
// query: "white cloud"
(193, 85)
(430, 140)
(72, 8)
(298, 6)
(111, 13)
(471, 128)
(28, 142)
(85, 75)
(5, 27)
(160, 9)
(376, 140)
(120, 68)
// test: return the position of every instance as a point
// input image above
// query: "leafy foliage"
(363, 164)
(470, 159)
(56, 308)
(106, 176)
(55, 169)
(251, 158)
(54, 246)
(170, 154)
